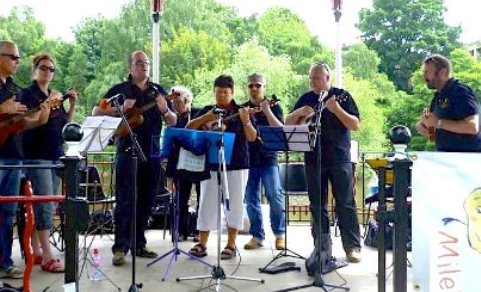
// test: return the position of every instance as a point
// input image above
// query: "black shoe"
(145, 253)
(196, 238)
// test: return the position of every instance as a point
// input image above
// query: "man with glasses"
(137, 91)
(339, 116)
(452, 120)
(10, 154)
(263, 167)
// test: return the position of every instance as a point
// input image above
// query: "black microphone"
(111, 99)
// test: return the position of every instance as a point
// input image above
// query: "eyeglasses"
(11, 56)
(323, 65)
(46, 68)
(256, 85)
(431, 59)
(141, 63)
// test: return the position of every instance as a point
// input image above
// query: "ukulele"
(253, 110)
(339, 98)
(15, 124)
(134, 115)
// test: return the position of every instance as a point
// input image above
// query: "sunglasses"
(141, 63)
(46, 68)
(256, 85)
(11, 56)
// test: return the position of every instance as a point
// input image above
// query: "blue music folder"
(197, 140)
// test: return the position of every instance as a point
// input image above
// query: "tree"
(283, 32)
(404, 32)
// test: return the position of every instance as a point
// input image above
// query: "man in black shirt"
(263, 167)
(453, 116)
(138, 91)
(338, 117)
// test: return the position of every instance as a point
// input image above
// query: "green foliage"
(403, 32)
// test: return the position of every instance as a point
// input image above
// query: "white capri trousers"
(237, 181)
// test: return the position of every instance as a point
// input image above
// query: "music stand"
(192, 138)
(222, 151)
(97, 132)
(285, 138)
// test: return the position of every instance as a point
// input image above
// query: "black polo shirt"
(335, 137)
(184, 118)
(240, 152)
(12, 147)
(46, 141)
(456, 101)
(148, 132)
(257, 154)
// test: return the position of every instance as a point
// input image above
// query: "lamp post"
(157, 9)
(336, 7)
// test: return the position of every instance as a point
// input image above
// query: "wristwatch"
(439, 125)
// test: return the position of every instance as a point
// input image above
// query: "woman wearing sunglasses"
(44, 145)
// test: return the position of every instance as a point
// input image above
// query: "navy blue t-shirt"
(335, 137)
(149, 131)
(184, 118)
(12, 147)
(240, 152)
(257, 154)
(456, 101)
(46, 141)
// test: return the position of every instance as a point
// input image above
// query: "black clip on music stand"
(218, 273)
(318, 280)
(136, 153)
(285, 138)
(168, 144)
(97, 132)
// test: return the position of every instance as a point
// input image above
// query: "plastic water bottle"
(95, 275)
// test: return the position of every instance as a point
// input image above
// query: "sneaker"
(254, 243)
(280, 243)
(12, 272)
(353, 256)
(146, 253)
(119, 258)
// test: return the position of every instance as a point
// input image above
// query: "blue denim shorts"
(44, 182)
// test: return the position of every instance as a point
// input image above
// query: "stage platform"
(360, 277)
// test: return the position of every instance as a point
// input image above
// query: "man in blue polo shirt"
(339, 116)
(453, 117)
(263, 167)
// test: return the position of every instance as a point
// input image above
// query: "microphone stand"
(218, 274)
(136, 153)
(318, 279)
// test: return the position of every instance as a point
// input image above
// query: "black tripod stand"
(218, 274)
(318, 280)
(135, 152)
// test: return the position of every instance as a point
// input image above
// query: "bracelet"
(247, 125)
(439, 125)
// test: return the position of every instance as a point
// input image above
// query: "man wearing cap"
(263, 168)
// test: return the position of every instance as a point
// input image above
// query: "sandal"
(53, 266)
(198, 250)
(228, 253)
(37, 260)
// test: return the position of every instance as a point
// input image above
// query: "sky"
(60, 16)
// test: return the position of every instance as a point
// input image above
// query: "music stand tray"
(97, 132)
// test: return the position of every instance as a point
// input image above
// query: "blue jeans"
(269, 176)
(44, 182)
(9, 186)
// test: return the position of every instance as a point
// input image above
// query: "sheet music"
(97, 132)
(297, 137)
